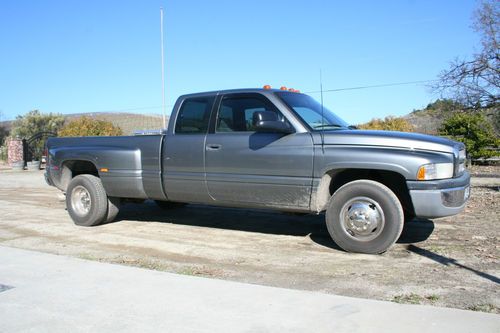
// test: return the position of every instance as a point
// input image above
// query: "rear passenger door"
(184, 152)
(257, 168)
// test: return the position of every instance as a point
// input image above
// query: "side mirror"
(267, 121)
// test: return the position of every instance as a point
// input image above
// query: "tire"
(364, 216)
(86, 201)
(113, 209)
(167, 205)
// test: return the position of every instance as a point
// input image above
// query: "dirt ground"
(451, 262)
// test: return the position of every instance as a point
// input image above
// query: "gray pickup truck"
(267, 148)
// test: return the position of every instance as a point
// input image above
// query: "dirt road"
(452, 262)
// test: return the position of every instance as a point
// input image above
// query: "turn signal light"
(421, 173)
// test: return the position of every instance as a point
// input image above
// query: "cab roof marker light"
(283, 88)
(267, 87)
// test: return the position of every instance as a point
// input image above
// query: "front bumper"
(438, 198)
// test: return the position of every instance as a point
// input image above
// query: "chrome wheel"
(362, 218)
(80, 200)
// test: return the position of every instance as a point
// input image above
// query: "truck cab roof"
(233, 91)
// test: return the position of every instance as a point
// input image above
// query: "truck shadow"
(443, 260)
(258, 221)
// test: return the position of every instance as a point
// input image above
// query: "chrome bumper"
(440, 198)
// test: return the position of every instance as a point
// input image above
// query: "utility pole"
(162, 72)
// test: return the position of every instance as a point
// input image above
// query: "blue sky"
(91, 56)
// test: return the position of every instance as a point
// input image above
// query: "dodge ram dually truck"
(267, 148)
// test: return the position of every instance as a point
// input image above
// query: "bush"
(86, 126)
(474, 131)
(389, 123)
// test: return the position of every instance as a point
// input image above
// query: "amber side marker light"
(104, 170)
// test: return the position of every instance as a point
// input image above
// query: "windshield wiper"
(323, 126)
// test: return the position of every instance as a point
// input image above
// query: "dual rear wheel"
(87, 202)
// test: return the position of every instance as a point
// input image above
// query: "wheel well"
(393, 180)
(71, 169)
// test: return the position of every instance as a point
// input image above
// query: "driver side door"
(262, 169)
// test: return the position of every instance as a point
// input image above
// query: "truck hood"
(391, 139)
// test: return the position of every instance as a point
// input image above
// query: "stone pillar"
(14, 150)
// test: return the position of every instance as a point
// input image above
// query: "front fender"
(403, 161)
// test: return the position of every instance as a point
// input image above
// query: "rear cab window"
(194, 115)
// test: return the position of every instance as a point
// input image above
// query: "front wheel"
(364, 216)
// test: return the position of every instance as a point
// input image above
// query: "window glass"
(193, 116)
(313, 113)
(236, 113)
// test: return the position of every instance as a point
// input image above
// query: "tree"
(389, 123)
(473, 130)
(445, 105)
(34, 122)
(85, 126)
(476, 82)
(4, 133)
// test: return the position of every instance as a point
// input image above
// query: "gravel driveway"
(451, 262)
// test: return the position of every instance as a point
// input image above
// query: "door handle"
(214, 147)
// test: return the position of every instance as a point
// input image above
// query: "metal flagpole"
(162, 72)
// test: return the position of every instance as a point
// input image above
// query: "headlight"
(461, 161)
(435, 171)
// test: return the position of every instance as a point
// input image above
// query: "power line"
(307, 92)
(373, 86)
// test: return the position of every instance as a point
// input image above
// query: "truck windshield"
(310, 111)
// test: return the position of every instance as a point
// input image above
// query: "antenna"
(322, 112)
(162, 71)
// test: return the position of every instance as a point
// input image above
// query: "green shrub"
(474, 131)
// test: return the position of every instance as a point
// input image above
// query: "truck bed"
(130, 166)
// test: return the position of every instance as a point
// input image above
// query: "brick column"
(14, 150)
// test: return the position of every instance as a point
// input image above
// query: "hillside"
(429, 120)
(128, 122)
